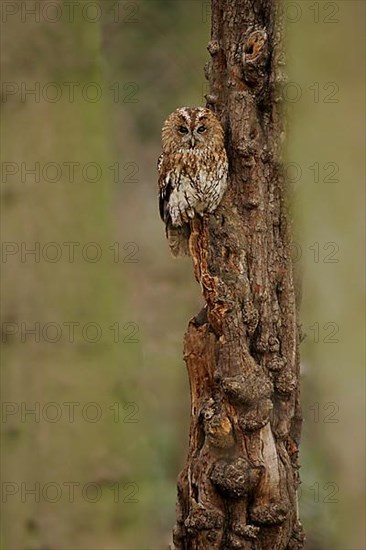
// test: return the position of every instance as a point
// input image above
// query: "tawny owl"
(192, 169)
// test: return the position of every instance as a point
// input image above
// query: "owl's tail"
(178, 239)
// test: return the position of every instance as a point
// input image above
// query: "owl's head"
(191, 128)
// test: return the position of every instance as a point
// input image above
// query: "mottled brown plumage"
(192, 171)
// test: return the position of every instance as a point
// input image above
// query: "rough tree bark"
(238, 488)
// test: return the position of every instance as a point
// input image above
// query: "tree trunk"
(238, 488)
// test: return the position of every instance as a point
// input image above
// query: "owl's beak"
(193, 141)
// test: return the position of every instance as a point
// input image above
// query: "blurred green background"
(94, 465)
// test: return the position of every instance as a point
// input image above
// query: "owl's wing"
(165, 188)
(160, 161)
(178, 237)
(164, 195)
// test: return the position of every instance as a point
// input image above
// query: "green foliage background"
(155, 51)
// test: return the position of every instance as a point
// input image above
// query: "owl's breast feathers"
(190, 183)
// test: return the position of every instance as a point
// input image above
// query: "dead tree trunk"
(238, 488)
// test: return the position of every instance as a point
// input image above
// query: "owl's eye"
(201, 129)
(183, 130)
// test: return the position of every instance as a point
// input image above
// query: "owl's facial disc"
(200, 133)
(185, 135)
(193, 137)
(183, 130)
(193, 128)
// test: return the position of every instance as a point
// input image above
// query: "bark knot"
(234, 478)
(255, 56)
